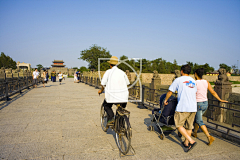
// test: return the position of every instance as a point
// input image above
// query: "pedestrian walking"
(54, 76)
(75, 77)
(35, 78)
(44, 78)
(202, 103)
(60, 77)
(47, 76)
(187, 106)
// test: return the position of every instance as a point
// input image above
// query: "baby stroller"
(165, 115)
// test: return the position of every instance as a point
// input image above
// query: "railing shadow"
(5, 103)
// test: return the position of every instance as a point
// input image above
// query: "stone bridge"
(63, 122)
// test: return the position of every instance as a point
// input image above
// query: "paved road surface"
(62, 122)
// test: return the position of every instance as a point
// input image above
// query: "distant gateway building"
(58, 63)
(58, 66)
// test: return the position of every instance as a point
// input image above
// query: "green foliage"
(235, 69)
(212, 83)
(39, 67)
(75, 67)
(7, 62)
(92, 54)
(123, 66)
(195, 66)
(235, 82)
(83, 68)
(228, 68)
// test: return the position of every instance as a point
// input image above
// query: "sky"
(199, 31)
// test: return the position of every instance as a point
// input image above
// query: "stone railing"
(12, 83)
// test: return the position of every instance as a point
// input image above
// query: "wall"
(166, 79)
(69, 72)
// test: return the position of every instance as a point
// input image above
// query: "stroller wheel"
(150, 128)
(162, 136)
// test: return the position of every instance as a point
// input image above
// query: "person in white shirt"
(187, 105)
(115, 82)
(35, 77)
(60, 76)
(75, 77)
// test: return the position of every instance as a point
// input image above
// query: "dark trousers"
(108, 108)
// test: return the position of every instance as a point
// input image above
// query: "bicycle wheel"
(103, 119)
(123, 134)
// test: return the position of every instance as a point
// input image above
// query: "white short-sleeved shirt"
(35, 74)
(60, 76)
(116, 81)
(187, 89)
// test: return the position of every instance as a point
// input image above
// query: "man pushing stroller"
(187, 105)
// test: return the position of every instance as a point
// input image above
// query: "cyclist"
(115, 82)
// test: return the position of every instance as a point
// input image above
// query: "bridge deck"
(63, 122)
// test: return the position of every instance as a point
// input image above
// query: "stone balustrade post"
(156, 81)
(143, 91)
(6, 88)
(222, 88)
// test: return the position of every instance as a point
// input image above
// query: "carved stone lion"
(222, 77)
(155, 74)
(177, 74)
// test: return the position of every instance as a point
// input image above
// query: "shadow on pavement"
(13, 98)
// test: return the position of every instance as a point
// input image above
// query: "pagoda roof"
(58, 65)
(58, 61)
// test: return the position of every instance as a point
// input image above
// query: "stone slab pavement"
(63, 122)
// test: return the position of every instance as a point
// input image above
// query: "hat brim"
(112, 62)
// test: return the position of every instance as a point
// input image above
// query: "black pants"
(108, 108)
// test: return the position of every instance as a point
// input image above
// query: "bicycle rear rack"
(123, 112)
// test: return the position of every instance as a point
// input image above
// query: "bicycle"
(121, 127)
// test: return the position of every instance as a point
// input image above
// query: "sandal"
(191, 146)
(185, 145)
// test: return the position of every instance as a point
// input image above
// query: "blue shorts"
(201, 108)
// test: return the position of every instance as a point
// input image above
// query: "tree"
(235, 69)
(92, 54)
(75, 67)
(123, 66)
(228, 68)
(39, 67)
(7, 62)
(175, 66)
(146, 66)
(83, 68)
(207, 68)
(191, 65)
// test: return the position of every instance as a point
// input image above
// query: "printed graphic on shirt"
(190, 84)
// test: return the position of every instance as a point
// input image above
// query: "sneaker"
(110, 121)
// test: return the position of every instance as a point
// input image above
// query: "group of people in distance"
(192, 99)
(45, 77)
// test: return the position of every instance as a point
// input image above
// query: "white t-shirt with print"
(187, 89)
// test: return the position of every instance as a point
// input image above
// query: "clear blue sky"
(39, 31)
